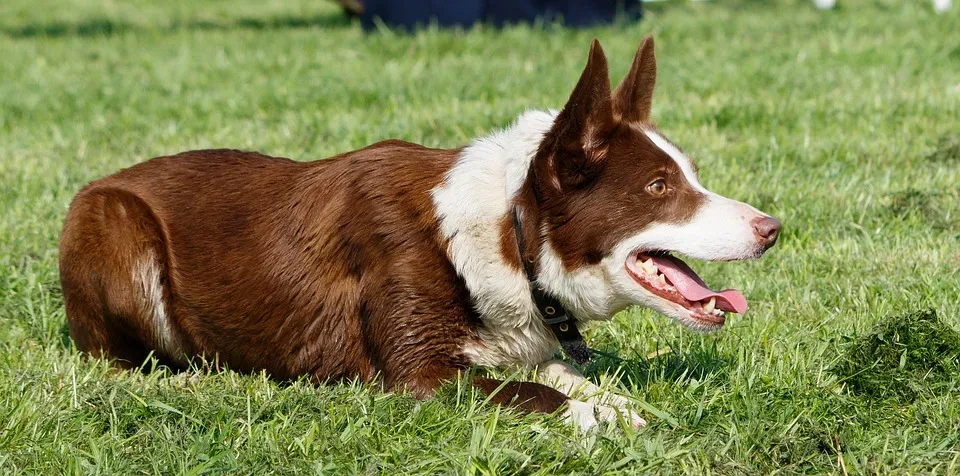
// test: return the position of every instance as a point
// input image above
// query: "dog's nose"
(767, 229)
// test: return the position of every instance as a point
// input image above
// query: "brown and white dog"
(400, 263)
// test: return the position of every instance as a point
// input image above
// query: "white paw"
(587, 415)
(582, 414)
(615, 413)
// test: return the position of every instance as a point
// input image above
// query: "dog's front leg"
(594, 403)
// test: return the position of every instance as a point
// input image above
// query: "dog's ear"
(634, 96)
(577, 142)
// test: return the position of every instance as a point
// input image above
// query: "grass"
(903, 357)
(842, 123)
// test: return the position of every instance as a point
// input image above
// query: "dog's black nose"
(767, 229)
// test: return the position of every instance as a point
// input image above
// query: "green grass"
(903, 357)
(844, 124)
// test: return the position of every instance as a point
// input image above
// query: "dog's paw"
(616, 412)
(582, 414)
(588, 415)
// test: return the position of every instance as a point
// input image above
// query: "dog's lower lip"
(709, 318)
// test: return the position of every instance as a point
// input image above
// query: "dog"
(404, 265)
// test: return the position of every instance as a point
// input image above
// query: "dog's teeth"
(717, 312)
(662, 279)
(648, 266)
(710, 305)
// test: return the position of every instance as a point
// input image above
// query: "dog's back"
(265, 263)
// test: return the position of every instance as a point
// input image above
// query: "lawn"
(844, 124)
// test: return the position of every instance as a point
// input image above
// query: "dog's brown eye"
(657, 187)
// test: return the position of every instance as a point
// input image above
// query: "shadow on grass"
(665, 365)
(65, 340)
(928, 205)
(947, 149)
(108, 27)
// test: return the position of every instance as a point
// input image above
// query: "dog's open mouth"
(671, 279)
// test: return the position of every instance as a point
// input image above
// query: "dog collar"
(551, 311)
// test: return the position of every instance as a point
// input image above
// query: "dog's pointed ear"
(583, 126)
(634, 96)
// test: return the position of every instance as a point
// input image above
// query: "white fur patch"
(581, 414)
(721, 229)
(587, 415)
(684, 162)
(606, 404)
(471, 202)
(584, 291)
(565, 378)
(147, 274)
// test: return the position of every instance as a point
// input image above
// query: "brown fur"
(598, 154)
(528, 396)
(324, 269)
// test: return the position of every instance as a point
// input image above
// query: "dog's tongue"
(693, 288)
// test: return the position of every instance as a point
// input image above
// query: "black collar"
(553, 314)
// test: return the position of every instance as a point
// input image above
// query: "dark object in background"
(576, 13)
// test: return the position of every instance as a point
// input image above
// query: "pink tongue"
(693, 288)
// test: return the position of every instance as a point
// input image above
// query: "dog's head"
(617, 199)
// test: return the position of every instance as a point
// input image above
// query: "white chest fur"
(470, 204)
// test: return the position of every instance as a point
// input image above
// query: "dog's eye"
(657, 187)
